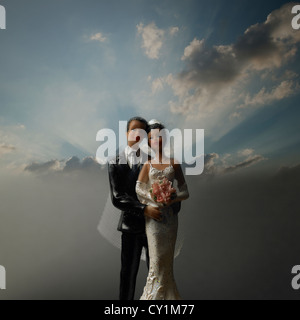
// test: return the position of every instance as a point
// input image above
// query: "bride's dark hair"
(159, 126)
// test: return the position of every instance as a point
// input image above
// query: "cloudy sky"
(71, 68)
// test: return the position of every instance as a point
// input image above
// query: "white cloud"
(152, 39)
(98, 37)
(283, 90)
(180, 88)
(173, 30)
(157, 85)
(246, 152)
(195, 46)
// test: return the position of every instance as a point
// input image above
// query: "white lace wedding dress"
(161, 236)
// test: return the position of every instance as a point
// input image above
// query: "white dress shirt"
(131, 156)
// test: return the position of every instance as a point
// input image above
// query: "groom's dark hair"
(140, 119)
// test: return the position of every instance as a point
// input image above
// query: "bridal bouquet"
(162, 191)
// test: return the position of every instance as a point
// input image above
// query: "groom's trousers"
(132, 245)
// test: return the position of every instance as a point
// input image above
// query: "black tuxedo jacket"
(122, 180)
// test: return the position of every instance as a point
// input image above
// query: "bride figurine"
(162, 231)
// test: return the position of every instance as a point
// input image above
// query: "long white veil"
(108, 224)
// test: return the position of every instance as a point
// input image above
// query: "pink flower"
(162, 190)
(159, 199)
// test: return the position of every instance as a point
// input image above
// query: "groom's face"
(135, 132)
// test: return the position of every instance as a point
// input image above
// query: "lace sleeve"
(183, 192)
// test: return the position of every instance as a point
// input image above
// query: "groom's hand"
(153, 213)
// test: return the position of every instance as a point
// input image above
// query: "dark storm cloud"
(212, 165)
(41, 167)
(218, 77)
(288, 175)
(72, 164)
(244, 164)
(215, 164)
(88, 164)
(269, 43)
(263, 45)
(209, 66)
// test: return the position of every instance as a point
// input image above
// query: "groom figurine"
(123, 173)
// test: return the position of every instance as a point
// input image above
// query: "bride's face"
(155, 140)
